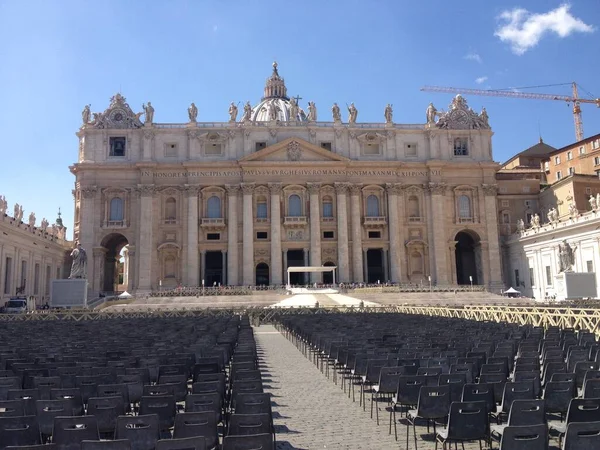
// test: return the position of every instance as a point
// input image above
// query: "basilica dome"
(275, 104)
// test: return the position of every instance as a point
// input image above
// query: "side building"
(31, 255)
(238, 202)
(565, 212)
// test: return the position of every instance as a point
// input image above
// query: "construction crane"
(574, 99)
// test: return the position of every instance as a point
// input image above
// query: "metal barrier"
(550, 316)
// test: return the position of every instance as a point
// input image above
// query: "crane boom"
(528, 95)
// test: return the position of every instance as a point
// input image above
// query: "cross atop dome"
(275, 86)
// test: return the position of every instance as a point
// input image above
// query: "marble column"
(148, 145)
(306, 275)
(203, 268)
(342, 232)
(386, 274)
(491, 221)
(315, 229)
(224, 270)
(233, 262)
(192, 263)
(146, 251)
(437, 222)
(365, 268)
(285, 266)
(357, 255)
(276, 261)
(87, 225)
(248, 236)
(394, 228)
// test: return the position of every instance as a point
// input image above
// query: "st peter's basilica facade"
(238, 202)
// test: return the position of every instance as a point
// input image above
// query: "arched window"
(327, 207)
(294, 205)
(213, 205)
(116, 209)
(372, 206)
(464, 207)
(417, 262)
(171, 209)
(261, 208)
(413, 206)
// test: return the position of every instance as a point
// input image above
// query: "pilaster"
(357, 253)
(393, 191)
(248, 236)
(192, 269)
(146, 193)
(276, 257)
(437, 191)
(341, 190)
(490, 192)
(233, 262)
(314, 190)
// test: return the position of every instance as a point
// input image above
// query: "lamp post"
(471, 280)
(203, 288)
(159, 285)
(430, 290)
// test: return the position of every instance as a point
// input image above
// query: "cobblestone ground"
(311, 412)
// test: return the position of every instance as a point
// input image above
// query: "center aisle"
(310, 411)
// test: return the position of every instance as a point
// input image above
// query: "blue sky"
(57, 56)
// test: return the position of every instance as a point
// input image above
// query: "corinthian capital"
(89, 191)
(341, 188)
(232, 189)
(313, 188)
(248, 188)
(146, 190)
(490, 189)
(355, 189)
(275, 188)
(149, 134)
(393, 188)
(437, 188)
(191, 190)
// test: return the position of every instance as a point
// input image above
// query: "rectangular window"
(261, 210)
(597, 160)
(588, 190)
(213, 236)
(7, 274)
(36, 279)
(571, 170)
(548, 276)
(326, 145)
(170, 150)
(328, 235)
(596, 144)
(374, 234)
(48, 279)
(582, 150)
(531, 276)
(410, 149)
(558, 175)
(214, 149)
(23, 273)
(262, 235)
(557, 160)
(590, 266)
(327, 209)
(505, 217)
(505, 203)
(517, 280)
(569, 156)
(259, 146)
(461, 147)
(546, 166)
(371, 149)
(117, 145)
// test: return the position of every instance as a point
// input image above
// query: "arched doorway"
(262, 274)
(112, 275)
(328, 276)
(468, 258)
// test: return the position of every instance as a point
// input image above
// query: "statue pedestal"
(70, 293)
(575, 285)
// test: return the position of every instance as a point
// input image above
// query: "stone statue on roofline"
(388, 113)
(31, 221)
(335, 112)
(3, 205)
(352, 113)
(535, 221)
(233, 112)
(247, 112)
(520, 225)
(431, 112)
(85, 114)
(44, 225)
(149, 113)
(312, 112)
(566, 257)
(573, 211)
(294, 110)
(552, 215)
(593, 203)
(193, 112)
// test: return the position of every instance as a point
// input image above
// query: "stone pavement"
(311, 412)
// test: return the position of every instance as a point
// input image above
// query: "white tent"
(511, 290)
(125, 295)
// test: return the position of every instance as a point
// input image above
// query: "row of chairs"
(452, 370)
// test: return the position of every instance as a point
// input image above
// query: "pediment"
(294, 150)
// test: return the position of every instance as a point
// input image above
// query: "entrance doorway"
(262, 274)
(328, 276)
(213, 270)
(113, 244)
(374, 265)
(295, 258)
(467, 258)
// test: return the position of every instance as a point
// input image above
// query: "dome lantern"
(275, 86)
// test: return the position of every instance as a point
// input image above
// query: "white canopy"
(311, 269)
(125, 295)
(511, 290)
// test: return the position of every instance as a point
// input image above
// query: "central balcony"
(213, 223)
(374, 221)
(295, 221)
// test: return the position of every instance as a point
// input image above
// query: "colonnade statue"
(79, 266)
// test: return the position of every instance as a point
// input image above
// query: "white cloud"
(524, 30)
(473, 56)
(481, 80)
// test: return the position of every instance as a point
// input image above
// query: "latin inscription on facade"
(293, 172)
